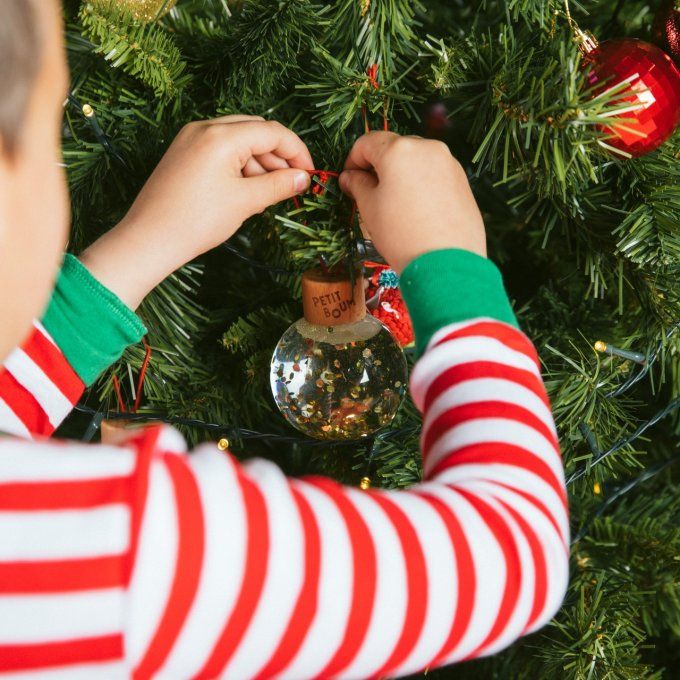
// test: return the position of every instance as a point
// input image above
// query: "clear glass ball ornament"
(338, 382)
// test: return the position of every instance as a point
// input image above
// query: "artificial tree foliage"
(589, 244)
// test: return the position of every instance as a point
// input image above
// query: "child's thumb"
(275, 186)
(357, 184)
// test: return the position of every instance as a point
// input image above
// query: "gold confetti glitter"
(342, 390)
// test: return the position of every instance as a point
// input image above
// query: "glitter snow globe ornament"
(337, 373)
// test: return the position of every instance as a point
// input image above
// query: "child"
(140, 560)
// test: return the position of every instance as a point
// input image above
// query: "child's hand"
(215, 175)
(413, 196)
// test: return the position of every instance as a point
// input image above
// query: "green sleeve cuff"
(445, 286)
(91, 325)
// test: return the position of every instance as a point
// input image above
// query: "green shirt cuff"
(91, 325)
(445, 286)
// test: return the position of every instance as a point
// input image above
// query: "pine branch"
(175, 322)
(142, 50)
(377, 31)
(247, 334)
(648, 233)
(588, 246)
(269, 40)
(341, 89)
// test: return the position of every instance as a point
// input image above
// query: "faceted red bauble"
(649, 104)
(666, 29)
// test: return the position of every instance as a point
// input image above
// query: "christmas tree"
(588, 239)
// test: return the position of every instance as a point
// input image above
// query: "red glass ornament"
(652, 90)
(666, 29)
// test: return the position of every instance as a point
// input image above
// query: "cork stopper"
(330, 299)
(115, 432)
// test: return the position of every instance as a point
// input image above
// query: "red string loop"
(324, 175)
(140, 382)
(142, 375)
(116, 389)
(372, 73)
(327, 173)
(318, 188)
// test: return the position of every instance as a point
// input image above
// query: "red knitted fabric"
(391, 309)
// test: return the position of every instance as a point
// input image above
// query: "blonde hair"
(19, 63)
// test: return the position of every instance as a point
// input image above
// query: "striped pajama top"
(142, 561)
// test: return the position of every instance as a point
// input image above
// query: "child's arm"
(208, 567)
(84, 330)
(198, 566)
(214, 175)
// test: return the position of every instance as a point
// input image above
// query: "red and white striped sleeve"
(84, 330)
(145, 562)
(38, 386)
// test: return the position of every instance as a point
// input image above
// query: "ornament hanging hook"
(586, 41)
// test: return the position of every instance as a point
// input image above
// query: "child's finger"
(270, 161)
(253, 168)
(357, 184)
(233, 118)
(269, 137)
(368, 150)
(273, 187)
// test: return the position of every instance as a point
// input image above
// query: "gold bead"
(88, 111)
(365, 483)
(600, 346)
(223, 444)
(597, 489)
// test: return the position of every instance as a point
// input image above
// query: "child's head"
(33, 199)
